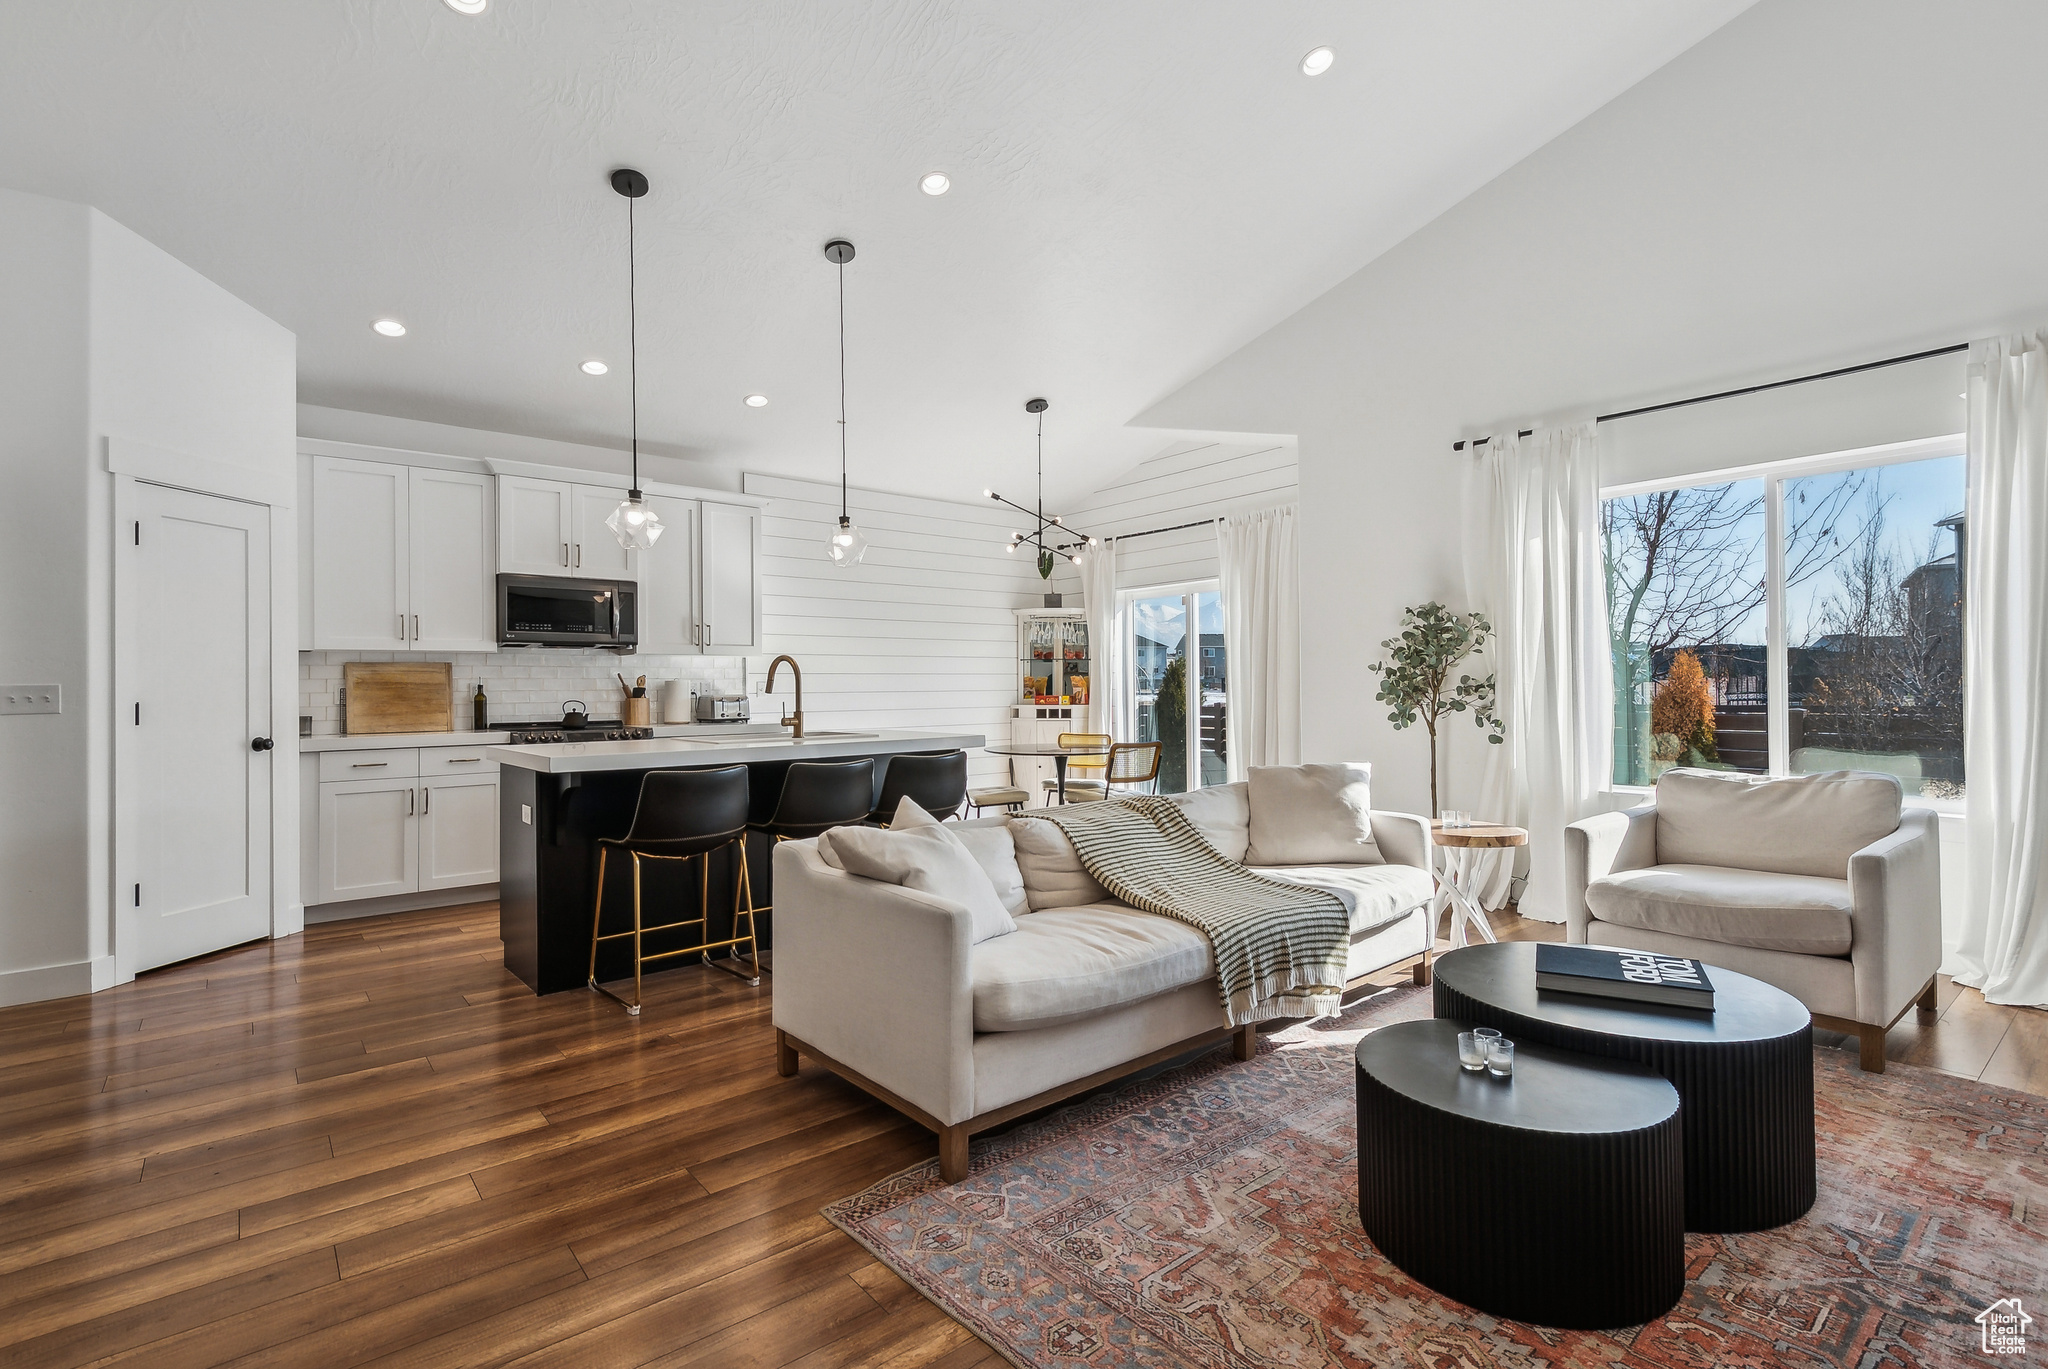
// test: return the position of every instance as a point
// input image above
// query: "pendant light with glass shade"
(635, 525)
(847, 544)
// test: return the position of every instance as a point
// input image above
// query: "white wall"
(107, 337)
(1191, 480)
(922, 634)
(1821, 182)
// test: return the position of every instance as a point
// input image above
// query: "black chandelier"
(1049, 552)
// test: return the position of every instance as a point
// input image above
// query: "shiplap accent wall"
(922, 634)
(1185, 482)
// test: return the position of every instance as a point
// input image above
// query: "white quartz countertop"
(692, 747)
(495, 737)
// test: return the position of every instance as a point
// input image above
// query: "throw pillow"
(928, 859)
(1053, 874)
(1220, 813)
(1311, 815)
(988, 841)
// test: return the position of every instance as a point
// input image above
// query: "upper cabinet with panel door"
(400, 557)
(554, 527)
(669, 621)
(730, 536)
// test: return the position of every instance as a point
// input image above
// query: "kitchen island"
(555, 801)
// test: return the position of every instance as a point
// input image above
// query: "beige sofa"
(885, 984)
(1824, 885)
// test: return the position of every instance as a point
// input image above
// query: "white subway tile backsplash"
(520, 687)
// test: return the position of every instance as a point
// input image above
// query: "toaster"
(722, 708)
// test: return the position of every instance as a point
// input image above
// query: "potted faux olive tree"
(1416, 676)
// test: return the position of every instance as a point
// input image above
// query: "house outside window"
(1800, 617)
(1177, 698)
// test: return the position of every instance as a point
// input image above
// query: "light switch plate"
(31, 699)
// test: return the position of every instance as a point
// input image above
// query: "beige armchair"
(1824, 885)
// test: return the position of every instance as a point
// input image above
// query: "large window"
(1178, 682)
(1804, 617)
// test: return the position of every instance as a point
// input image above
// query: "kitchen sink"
(837, 736)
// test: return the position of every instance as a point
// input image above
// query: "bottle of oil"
(482, 706)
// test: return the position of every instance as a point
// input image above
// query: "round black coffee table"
(1555, 1197)
(1745, 1071)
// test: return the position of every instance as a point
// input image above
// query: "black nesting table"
(1556, 1196)
(1745, 1072)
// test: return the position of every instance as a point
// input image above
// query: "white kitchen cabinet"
(458, 831)
(452, 588)
(533, 525)
(399, 558)
(669, 624)
(730, 536)
(594, 550)
(359, 553)
(369, 838)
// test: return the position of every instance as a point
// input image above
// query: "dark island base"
(548, 826)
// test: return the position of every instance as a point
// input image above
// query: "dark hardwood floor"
(371, 1145)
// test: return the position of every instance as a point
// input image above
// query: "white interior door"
(453, 555)
(195, 688)
(732, 544)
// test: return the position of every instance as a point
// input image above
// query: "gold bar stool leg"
(731, 964)
(597, 916)
(633, 1009)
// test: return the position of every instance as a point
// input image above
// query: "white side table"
(1456, 882)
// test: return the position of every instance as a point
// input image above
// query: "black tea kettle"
(575, 714)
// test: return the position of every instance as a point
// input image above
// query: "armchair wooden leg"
(1245, 1043)
(785, 1055)
(1927, 1002)
(1870, 1048)
(1421, 973)
(953, 1153)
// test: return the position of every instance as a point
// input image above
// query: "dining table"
(1059, 754)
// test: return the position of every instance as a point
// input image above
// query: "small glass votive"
(1500, 1058)
(1472, 1051)
(1487, 1033)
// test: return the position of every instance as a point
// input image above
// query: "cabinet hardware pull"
(401, 627)
(565, 553)
(411, 801)
(415, 627)
(368, 765)
(579, 557)
(464, 760)
(428, 806)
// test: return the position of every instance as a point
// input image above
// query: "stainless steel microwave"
(548, 610)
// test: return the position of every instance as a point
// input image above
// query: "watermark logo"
(2005, 1324)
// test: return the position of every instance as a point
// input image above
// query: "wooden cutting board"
(399, 696)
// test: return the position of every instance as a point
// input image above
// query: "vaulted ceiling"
(1138, 189)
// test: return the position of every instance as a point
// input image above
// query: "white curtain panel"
(1108, 634)
(1539, 580)
(1260, 571)
(2003, 946)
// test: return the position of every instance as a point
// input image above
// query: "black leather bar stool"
(935, 781)
(818, 796)
(683, 815)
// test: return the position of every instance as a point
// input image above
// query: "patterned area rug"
(1207, 1217)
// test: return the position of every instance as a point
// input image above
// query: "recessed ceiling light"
(594, 368)
(1315, 64)
(756, 401)
(389, 327)
(467, 6)
(935, 183)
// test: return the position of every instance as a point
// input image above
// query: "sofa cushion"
(1374, 895)
(988, 841)
(1064, 964)
(1798, 825)
(927, 858)
(1310, 815)
(1053, 874)
(1804, 914)
(1222, 813)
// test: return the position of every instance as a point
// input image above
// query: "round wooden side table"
(1457, 883)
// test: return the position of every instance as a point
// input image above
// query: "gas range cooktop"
(596, 730)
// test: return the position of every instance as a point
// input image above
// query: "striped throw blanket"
(1280, 948)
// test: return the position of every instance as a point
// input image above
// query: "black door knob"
(261, 744)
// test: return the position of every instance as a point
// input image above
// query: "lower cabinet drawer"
(456, 760)
(398, 762)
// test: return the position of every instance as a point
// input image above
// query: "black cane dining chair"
(683, 815)
(935, 781)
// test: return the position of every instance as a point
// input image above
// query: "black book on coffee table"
(1638, 976)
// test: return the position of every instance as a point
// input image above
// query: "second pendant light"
(847, 544)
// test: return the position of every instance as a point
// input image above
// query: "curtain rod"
(1950, 350)
(1177, 527)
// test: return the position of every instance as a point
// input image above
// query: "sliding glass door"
(1179, 682)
